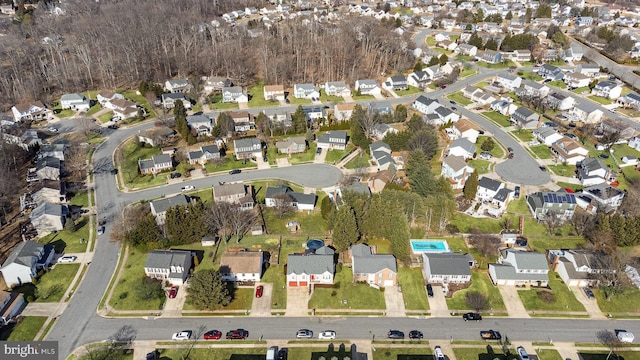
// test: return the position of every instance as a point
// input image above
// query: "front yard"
(600, 100)
(128, 161)
(410, 91)
(360, 161)
(344, 294)
(334, 155)
(228, 162)
(457, 97)
(622, 304)
(559, 298)
(256, 93)
(481, 283)
(412, 284)
(497, 118)
(54, 283)
(276, 275)
(524, 135)
(481, 166)
(25, 330)
(70, 241)
(125, 295)
(216, 103)
(541, 151)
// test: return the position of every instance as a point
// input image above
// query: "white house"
(547, 135)
(575, 267)
(304, 270)
(234, 94)
(607, 89)
(243, 266)
(576, 80)
(367, 87)
(375, 269)
(305, 91)
(558, 101)
(337, 88)
(508, 81)
(274, 92)
(520, 268)
(569, 150)
(462, 147)
(283, 195)
(456, 170)
(48, 218)
(177, 85)
(77, 102)
(463, 129)
(24, 262)
(34, 111)
(106, 96)
(488, 188)
(447, 268)
(606, 197)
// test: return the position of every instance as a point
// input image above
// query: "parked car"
(516, 193)
(213, 335)
(173, 292)
(510, 155)
(67, 259)
(603, 156)
(485, 155)
(443, 87)
(182, 335)
(283, 354)
(453, 102)
(153, 355)
(272, 353)
(416, 334)
(175, 175)
(429, 290)
(319, 151)
(490, 335)
(287, 101)
(542, 168)
(624, 336)
(114, 171)
(510, 149)
(187, 188)
(327, 334)
(259, 291)
(395, 334)
(235, 171)
(304, 334)
(116, 118)
(100, 230)
(454, 108)
(589, 293)
(113, 126)
(472, 317)
(52, 129)
(237, 334)
(522, 353)
(481, 132)
(438, 354)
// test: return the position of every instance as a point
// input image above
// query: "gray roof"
(164, 259)
(443, 111)
(489, 183)
(545, 131)
(366, 263)
(161, 159)
(162, 205)
(603, 191)
(592, 164)
(192, 155)
(178, 82)
(325, 250)
(310, 264)
(524, 112)
(229, 189)
(606, 84)
(533, 84)
(72, 97)
(506, 75)
(211, 149)
(528, 259)
(502, 194)
(23, 253)
(174, 96)
(398, 78)
(49, 161)
(297, 197)
(449, 263)
(463, 143)
(455, 162)
(196, 119)
(367, 82)
(425, 100)
(509, 272)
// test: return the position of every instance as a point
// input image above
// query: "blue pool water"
(429, 246)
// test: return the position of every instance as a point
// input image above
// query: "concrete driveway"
(262, 306)
(394, 301)
(173, 307)
(590, 305)
(512, 302)
(438, 303)
(319, 159)
(282, 162)
(297, 301)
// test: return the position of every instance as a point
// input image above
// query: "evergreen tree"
(415, 159)
(422, 180)
(543, 11)
(471, 186)
(433, 61)
(443, 59)
(509, 15)
(491, 44)
(345, 228)
(399, 235)
(143, 87)
(488, 144)
(475, 40)
(527, 16)
(299, 121)
(400, 113)
(417, 67)
(207, 290)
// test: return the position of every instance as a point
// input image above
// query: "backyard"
(344, 294)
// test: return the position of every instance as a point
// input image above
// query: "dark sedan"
(395, 334)
(472, 317)
(237, 334)
(416, 334)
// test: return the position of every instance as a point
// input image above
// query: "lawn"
(467, 72)
(442, 51)
(481, 283)
(334, 155)
(541, 151)
(70, 241)
(524, 135)
(54, 283)
(80, 199)
(497, 118)
(600, 100)
(557, 83)
(604, 355)
(563, 299)
(94, 109)
(124, 295)
(518, 206)
(481, 166)
(457, 97)
(344, 294)
(626, 302)
(65, 113)
(574, 187)
(295, 101)
(580, 90)
(431, 42)
(329, 98)
(25, 330)
(242, 299)
(362, 97)
(106, 117)
(312, 223)
(360, 161)
(465, 223)
(483, 353)
(410, 91)
(305, 157)
(404, 353)
(215, 354)
(622, 150)
(482, 84)
(256, 93)
(130, 153)
(563, 170)
(530, 75)
(502, 65)
(216, 103)
(276, 275)
(291, 245)
(140, 100)
(228, 162)
(548, 354)
(413, 291)
(496, 151)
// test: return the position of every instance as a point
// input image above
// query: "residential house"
(202, 124)
(49, 168)
(591, 70)
(343, 111)
(629, 160)
(576, 80)
(447, 268)
(592, 171)
(155, 165)
(560, 204)
(202, 156)
(525, 118)
(520, 268)
(106, 96)
(381, 130)
(419, 79)
(234, 193)
(314, 113)
(463, 129)
(438, 37)
(448, 45)
(583, 21)
(242, 266)
(569, 150)
(278, 116)
(379, 180)
(242, 120)
(11, 305)
(177, 85)
(334, 139)
(337, 88)
(375, 269)
(462, 147)
(466, 49)
(34, 111)
(573, 53)
(292, 145)
(172, 266)
(24, 262)
(159, 207)
(76, 102)
(216, 83)
(51, 150)
(274, 92)
(124, 109)
(585, 113)
(522, 55)
(456, 170)
(247, 148)
(508, 81)
(283, 195)
(558, 101)
(305, 91)
(504, 107)
(607, 89)
(398, 82)
(549, 54)
(381, 154)
(425, 105)
(488, 188)
(234, 94)
(48, 218)
(605, 197)
(631, 100)
(46, 191)
(479, 96)
(491, 57)
(498, 204)
(547, 135)
(304, 270)
(156, 136)
(367, 87)
(532, 88)
(575, 267)
(29, 138)
(169, 100)
(550, 72)
(445, 115)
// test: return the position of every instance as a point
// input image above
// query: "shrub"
(546, 296)
(123, 295)
(334, 293)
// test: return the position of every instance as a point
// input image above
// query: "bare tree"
(283, 204)
(219, 219)
(506, 223)
(476, 301)
(610, 274)
(75, 164)
(123, 337)
(198, 333)
(241, 221)
(552, 221)
(582, 222)
(485, 244)
(609, 138)
(609, 339)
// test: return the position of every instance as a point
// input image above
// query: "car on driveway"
(283, 354)
(416, 334)
(67, 259)
(472, 317)
(259, 291)
(187, 188)
(237, 334)
(173, 292)
(182, 335)
(485, 155)
(304, 334)
(175, 175)
(319, 151)
(429, 290)
(114, 171)
(522, 353)
(589, 293)
(100, 230)
(213, 335)
(438, 354)
(516, 192)
(510, 155)
(327, 334)
(235, 171)
(395, 334)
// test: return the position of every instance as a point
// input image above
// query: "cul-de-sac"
(320, 179)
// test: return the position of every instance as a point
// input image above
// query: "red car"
(259, 291)
(173, 292)
(213, 335)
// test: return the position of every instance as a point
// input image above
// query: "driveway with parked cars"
(438, 303)
(262, 305)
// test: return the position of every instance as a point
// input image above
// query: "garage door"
(293, 283)
(388, 283)
(303, 283)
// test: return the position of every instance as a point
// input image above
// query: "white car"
(327, 334)
(52, 129)
(182, 335)
(100, 230)
(67, 259)
(438, 354)
(188, 187)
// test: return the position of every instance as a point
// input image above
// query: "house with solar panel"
(543, 203)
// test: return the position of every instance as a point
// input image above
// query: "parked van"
(272, 353)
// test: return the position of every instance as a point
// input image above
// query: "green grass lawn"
(630, 112)
(481, 283)
(104, 118)
(296, 101)
(216, 103)
(465, 223)
(410, 91)
(580, 90)
(502, 65)
(131, 152)
(305, 157)
(80, 199)
(541, 151)
(563, 170)
(518, 206)
(363, 97)
(442, 51)
(457, 97)
(497, 118)
(124, 295)
(604, 355)
(600, 100)
(548, 354)
(482, 84)
(496, 151)
(563, 298)
(276, 275)
(530, 75)
(431, 42)
(334, 155)
(467, 72)
(626, 302)
(464, 58)
(413, 290)
(312, 223)
(55, 282)
(359, 161)
(481, 166)
(622, 150)
(574, 187)
(358, 296)
(25, 330)
(70, 241)
(557, 83)
(94, 109)
(65, 113)
(481, 353)
(404, 353)
(256, 93)
(329, 98)
(228, 162)
(140, 100)
(524, 135)
(215, 354)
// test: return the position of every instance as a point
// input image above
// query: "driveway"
(319, 159)
(282, 162)
(262, 306)
(438, 303)
(591, 305)
(297, 301)
(173, 307)
(512, 302)
(394, 301)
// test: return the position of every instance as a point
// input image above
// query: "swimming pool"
(429, 246)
